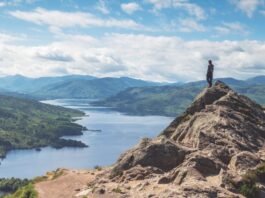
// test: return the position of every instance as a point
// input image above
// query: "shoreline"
(65, 143)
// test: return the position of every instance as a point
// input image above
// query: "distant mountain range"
(125, 94)
(24, 84)
(72, 86)
(94, 89)
(173, 100)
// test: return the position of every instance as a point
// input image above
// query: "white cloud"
(231, 28)
(131, 7)
(190, 25)
(247, 6)
(102, 7)
(6, 38)
(60, 19)
(54, 55)
(157, 58)
(2, 4)
(192, 8)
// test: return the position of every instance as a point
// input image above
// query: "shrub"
(12, 184)
(99, 168)
(27, 191)
(248, 186)
(117, 190)
(249, 190)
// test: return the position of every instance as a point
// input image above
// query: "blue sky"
(159, 40)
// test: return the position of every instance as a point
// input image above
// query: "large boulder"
(161, 153)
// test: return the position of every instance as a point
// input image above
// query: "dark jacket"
(210, 69)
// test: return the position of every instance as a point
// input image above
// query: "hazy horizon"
(54, 76)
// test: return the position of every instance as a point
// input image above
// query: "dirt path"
(66, 185)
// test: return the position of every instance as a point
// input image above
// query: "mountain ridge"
(71, 86)
(172, 100)
(83, 86)
(23, 84)
(92, 89)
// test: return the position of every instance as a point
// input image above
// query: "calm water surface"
(118, 133)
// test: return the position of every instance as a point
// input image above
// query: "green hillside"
(28, 124)
(165, 100)
(93, 89)
(171, 100)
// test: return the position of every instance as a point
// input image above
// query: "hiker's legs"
(209, 78)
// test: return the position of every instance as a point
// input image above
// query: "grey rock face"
(220, 118)
(216, 140)
(161, 153)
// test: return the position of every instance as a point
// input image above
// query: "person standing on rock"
(209, 76)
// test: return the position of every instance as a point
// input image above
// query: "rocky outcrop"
(220, 118)
(161, 153)
(203, 153)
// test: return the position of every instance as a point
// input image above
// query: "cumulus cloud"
(7, 38)
(105, 62)
(187, 25)
(60, 19)
(247, 6)
(156, 58)
(131, 7)
(191, 8)
(192, 22)
(54, 56)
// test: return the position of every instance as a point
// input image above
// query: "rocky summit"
(216, 148)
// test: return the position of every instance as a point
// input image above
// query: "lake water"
(118, 133)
